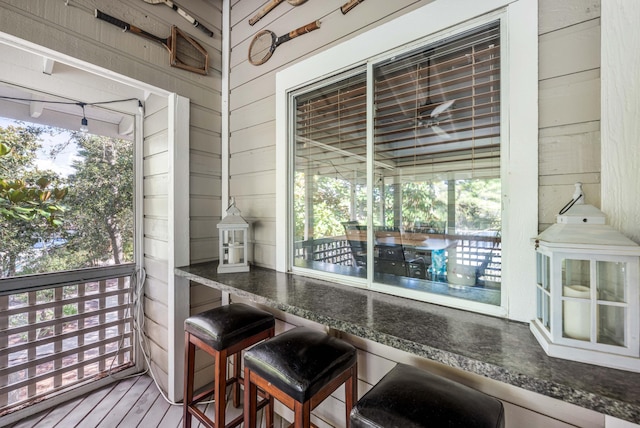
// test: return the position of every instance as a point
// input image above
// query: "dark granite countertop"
(496, 348)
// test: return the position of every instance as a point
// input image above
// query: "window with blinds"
(330, 128)
(434, 141)
(330, 137)
(439, 106)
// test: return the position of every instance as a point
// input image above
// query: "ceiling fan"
(432, 120)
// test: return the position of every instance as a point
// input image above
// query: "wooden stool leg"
(236, 374)
(302, 414)
(351, 393)
(189, 357)
(250, 401)
(268, 412)
(220, 385)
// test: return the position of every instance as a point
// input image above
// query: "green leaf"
(59, 194)
(43, 182)
(16, 196)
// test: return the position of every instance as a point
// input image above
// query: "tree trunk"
(116, 241)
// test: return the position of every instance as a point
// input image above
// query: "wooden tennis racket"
(184, 14)
(185, 52)
(269, 7)
(349, 5)
(265, 42)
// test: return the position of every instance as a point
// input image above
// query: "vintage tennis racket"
(348, 6)
(265, 42)
(184, 14)
(269, 6)
(185, 52)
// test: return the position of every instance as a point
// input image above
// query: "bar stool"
(299, 368)
(221, 332)
(412, 398)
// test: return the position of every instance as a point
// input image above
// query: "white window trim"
(520, 118)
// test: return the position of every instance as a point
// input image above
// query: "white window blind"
(330, 128)
(439, 106)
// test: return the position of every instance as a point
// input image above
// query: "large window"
(434, 208)
(406, 158)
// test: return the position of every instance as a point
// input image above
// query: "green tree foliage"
(30, 199)
(97, 228)
(424, 203)
(101, 200)
(478, 204)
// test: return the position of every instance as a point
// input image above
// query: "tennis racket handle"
(349, 5)
(264, 11)
(304, 29)
(110, 19)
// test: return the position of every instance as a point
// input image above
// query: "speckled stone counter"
(496, 348)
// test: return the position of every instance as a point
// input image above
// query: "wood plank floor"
(129, 403)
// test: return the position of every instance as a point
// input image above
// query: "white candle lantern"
(234, 232)
(587, 289)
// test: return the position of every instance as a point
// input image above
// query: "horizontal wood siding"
(72, 29)
(252, 96)
(569, 104)
(568, 143)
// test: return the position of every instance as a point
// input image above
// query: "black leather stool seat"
(300, 368)
(225, 326)
(222, 333)
(301, 361)
(408, 397)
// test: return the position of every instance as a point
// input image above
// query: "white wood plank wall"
(569, 145)
(73, 30)
(569, 71)
(569, 140)
(252, 95)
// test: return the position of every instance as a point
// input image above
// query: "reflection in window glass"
(330, 178)
(435, 168)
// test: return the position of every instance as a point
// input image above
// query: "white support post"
(178, 207)
(620, 133)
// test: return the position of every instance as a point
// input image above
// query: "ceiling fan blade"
(442, 107)
(441, 132)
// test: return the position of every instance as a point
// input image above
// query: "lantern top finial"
(578, 194)
(233, 217)
(233, 210)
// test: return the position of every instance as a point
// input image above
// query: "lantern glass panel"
(575, 273)
(543, 270)
(233, 242)
(611, 325)
(611, 281)
(576, 291)
(544, 305)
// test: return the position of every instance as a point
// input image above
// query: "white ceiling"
(48, 93)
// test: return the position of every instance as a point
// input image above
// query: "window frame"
(438, 20)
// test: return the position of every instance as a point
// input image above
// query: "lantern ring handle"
(569, 204)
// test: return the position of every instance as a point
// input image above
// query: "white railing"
(55, 337)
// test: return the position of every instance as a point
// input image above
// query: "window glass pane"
(576, 275)
(543, 270)
(543, 308)
(611, 281)
(611, 323)
(437, 195)
(66, 201)
(330, 178)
